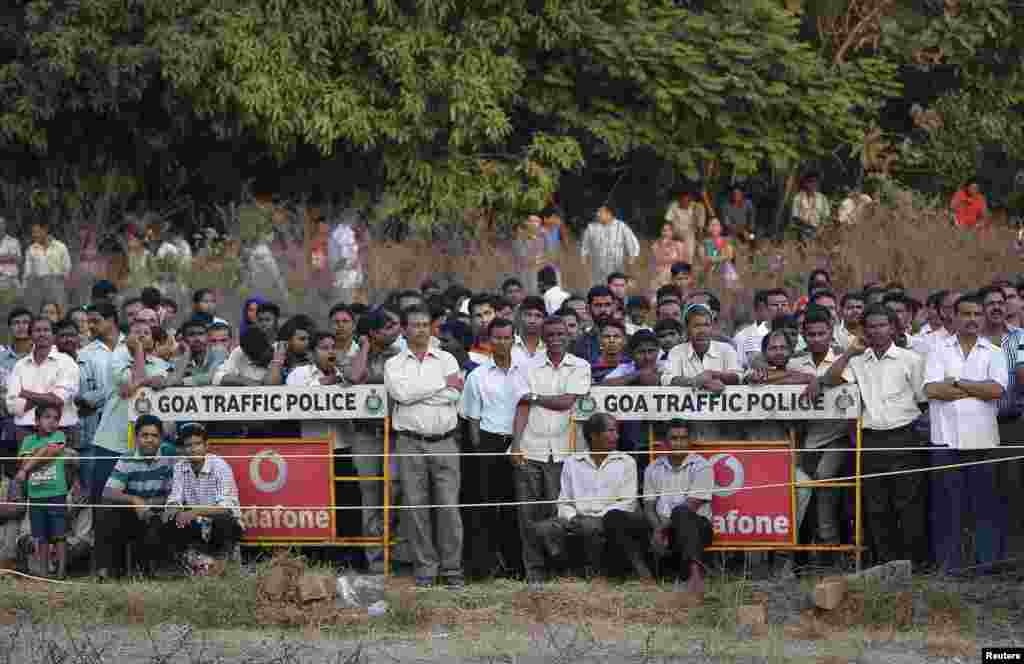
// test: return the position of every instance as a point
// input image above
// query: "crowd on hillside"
(500, 372)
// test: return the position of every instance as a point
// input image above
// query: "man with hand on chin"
(702, 363)
(540, 439)
(891, 382)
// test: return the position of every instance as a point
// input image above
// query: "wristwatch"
(534, 398)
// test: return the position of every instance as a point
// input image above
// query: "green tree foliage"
(449, 105)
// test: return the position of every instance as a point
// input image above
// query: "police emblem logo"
(585, 406)
(374, 403)
(844, 401)
(143, 406)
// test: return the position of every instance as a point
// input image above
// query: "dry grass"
(903, 241)
(569, 617)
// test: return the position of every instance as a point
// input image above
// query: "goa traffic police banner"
(289, 481)
(743, 513)
(225, 404)
(770, 402)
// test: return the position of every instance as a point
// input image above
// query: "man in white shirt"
(343, 258)
(529, 348)
(965, 378)
(677, 503)
(553, 294)
(768, 304)
(44, 377)
(426, 384)
(702, 363)
(47, 265)
(608, 245)
(598, 501)
(541, 432)
(10, 260)
(489, 405)
(323, 370)
(891, 382)
(923, 345)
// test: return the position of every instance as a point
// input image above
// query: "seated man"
(143, 481)
(202, 510)
(600, 493)
(677, 503)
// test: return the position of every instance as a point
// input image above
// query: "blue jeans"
(99, 471)
(969, 488)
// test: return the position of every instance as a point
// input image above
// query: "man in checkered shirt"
(203, 510)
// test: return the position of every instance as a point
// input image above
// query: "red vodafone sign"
(284, 488)
(743, 513)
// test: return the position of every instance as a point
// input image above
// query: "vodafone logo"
(278, 474)
(729, 477)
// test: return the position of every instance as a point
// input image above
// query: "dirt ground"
(927, 619)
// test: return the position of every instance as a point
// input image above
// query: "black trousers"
(490, 531)
(896, 506)
(610, 542)
(224, 534)
(690, 535)
(116, 527)
(628, 538)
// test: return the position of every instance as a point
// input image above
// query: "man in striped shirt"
(134, 494)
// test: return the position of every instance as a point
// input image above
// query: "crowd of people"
(499, 373)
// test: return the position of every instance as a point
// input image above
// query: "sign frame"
(736, 403)
(284, 402)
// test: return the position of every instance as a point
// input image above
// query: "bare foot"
(695, 584)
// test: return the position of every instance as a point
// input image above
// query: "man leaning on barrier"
(366, 367)
(133, 498)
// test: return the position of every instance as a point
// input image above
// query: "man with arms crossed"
(541, 437)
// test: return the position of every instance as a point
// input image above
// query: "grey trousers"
(825, 465)
(536, 480)
(366, 441)
(431, 480)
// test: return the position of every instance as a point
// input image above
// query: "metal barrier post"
(387, 497)
(858, 498)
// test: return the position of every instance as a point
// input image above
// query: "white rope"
(518, 503)
(700, 450)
